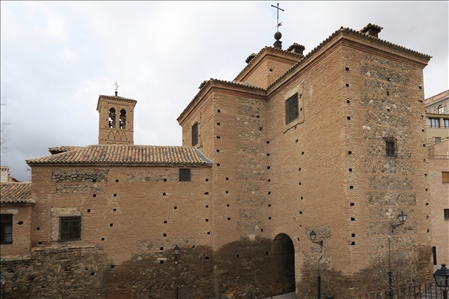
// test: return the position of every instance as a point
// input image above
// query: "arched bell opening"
(111, 118)
(122, 119)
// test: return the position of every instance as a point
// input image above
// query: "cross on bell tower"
(277, 36)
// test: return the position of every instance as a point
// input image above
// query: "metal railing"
(422, 291)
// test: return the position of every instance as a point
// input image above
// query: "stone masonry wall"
(384, 100)
(88, 273)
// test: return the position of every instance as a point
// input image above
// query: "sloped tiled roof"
(16, 193)
(333, 35)
(260, 52)
(126, 154)
(203, 86)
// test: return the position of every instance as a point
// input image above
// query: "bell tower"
(116, 123)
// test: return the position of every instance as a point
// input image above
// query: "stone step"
(291, 295)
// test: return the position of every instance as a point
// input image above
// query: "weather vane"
(116, 87)
(277, 13)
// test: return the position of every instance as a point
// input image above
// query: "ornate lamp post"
(176, 252)
(401, 217)
(442, 279)
(313, 238)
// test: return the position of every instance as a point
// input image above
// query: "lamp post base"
(319, 287)
(390, 284)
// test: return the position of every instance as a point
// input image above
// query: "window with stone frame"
(390, 147)
(446, 123)
(440, 109)
(195, 134)
(291, 108)
(6, 228)
(184, 175)
(69, 228)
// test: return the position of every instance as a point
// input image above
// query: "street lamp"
(313, 238)
(401, 217)
(442, 279)
(176, 252)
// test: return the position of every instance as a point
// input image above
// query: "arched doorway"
(283, 265)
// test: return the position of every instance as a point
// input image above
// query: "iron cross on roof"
(116, 87)
(277, 14)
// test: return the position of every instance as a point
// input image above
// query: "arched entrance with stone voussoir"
(283, 263)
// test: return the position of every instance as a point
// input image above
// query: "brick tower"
(116, 123)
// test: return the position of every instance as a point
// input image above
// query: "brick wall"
(21, 229)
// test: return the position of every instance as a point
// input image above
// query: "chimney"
(5, 174)
(250, 57)
(296, 48)
(371, 29)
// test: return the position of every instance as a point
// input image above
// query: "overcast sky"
(58, 57)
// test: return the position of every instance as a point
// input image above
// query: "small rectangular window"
(184, 175)
(446, 123)
(445, 176)
(437, 140)
(195, 134)
(5, 228)
(446, 214)
(390, 147)
(70, 228)
(291, 108)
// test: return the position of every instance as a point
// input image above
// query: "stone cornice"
(213, 84)
(115, 99)
(356, 39)
(260, 57)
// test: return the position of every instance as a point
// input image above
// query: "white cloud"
(67, 55)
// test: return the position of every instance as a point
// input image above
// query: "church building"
(302, 166)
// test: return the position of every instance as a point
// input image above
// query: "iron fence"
(422, 291)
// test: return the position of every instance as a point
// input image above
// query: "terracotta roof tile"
(255, 55)
(16, 193)
(126, 154)
(327, 40)
(206, 83)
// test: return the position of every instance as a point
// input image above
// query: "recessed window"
(445, 176)
(291, 108)
(390, 147)
(5, 228)
(433, 122)
(446, 123)
(440, 109)
(70, 228)
(195, 134)
(446, 214)
(184, 175)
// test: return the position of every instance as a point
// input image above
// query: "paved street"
(285, 296)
